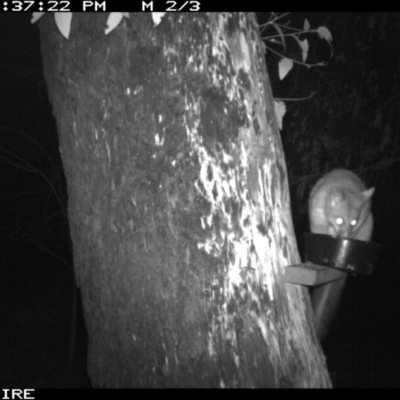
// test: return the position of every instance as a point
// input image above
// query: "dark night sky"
(36, 284)
(35, 260)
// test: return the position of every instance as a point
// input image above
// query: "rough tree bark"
(179, 204)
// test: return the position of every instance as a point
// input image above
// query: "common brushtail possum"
(339, 205)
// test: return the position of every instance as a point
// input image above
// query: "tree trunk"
(179, 203)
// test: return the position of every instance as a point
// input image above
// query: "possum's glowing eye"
(353, 223)
(339, 221)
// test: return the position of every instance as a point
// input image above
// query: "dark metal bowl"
(350, 255)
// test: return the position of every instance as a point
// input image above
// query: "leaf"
(36, 16)
(280, 33)
(324, 33)
(157, 16)
(63, 22)
(303, 44)
(280, 110)
(113, 21)
(285, 65)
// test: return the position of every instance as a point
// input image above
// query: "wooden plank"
(311, 274)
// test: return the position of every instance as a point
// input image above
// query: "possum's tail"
(325, 300)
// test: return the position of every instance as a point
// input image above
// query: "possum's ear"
(362, 197)
(367, 194)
